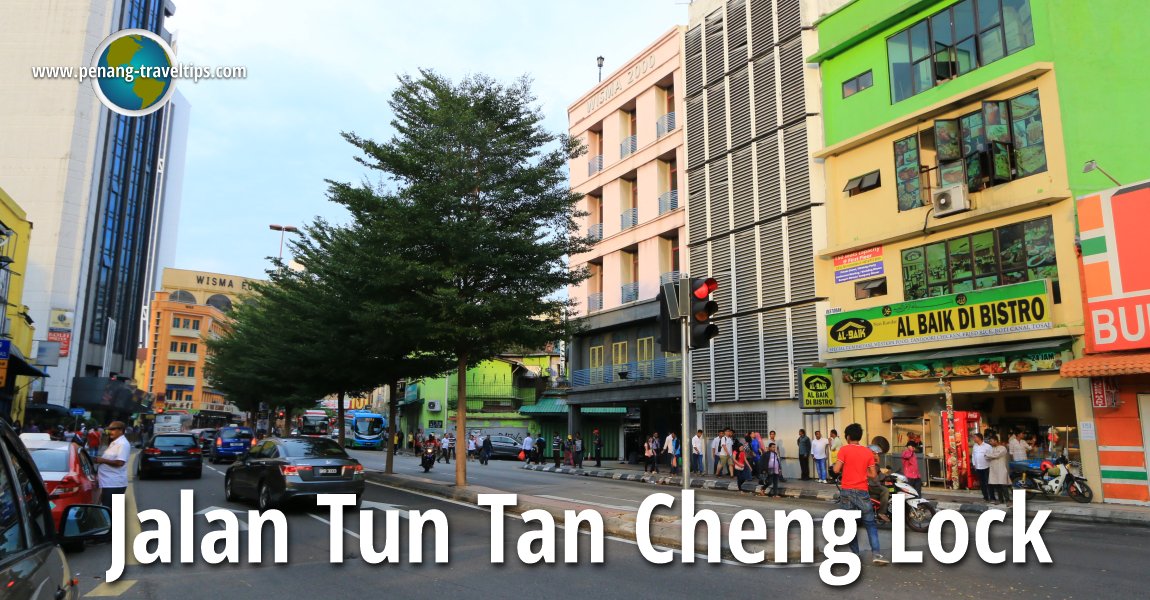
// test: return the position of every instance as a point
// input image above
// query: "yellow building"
(16, 326)
(191, 307)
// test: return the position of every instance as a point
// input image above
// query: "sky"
(260, 149)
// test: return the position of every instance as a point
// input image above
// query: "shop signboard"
(1103, 392)
(1112, 226)
(860, 264)
(60, 329)
(993, 311)
(1010, 363)
(818, 388)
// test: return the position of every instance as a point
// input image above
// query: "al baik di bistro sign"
(818, 388)
(993, 311)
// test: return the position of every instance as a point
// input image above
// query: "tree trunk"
(339, 415)
(460, 422)
(392, 415)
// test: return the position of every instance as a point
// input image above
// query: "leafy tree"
(480, 221)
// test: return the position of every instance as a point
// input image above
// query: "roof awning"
(550, 405)
(18, 365)
(1108, 365)
(928, 356)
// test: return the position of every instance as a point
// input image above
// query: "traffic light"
(702, 308)
(280, 414)
(670, 330)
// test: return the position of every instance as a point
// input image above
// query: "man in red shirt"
(856, 463)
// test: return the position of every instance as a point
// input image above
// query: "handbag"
(522, 455)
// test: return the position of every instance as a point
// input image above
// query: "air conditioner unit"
(950, 200)
(433, 405)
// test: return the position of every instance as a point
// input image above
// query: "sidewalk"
(964, 501)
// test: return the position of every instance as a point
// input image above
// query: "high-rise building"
(91, 180)
(631, 181)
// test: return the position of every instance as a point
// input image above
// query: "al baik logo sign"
(1115, 244)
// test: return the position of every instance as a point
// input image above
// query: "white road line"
(612, 506)
(323, 520)
(210, 468)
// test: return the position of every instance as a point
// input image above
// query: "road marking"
(612, 506)
(111, 589)
(220, 523)
(214, 469)
(321, 519)
(384, 506)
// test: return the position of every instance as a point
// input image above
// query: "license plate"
(173, 464)
(328, 470)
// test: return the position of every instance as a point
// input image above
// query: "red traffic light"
(705, 288)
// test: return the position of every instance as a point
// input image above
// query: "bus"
(364, 429)
(172, 422)
(312, 422)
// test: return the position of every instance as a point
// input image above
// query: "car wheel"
(264, 500)
(229, 494)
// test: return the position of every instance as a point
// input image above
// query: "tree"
(481, 218)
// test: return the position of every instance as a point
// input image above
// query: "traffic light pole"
(685, 444)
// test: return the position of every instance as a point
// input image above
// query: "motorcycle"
(919, 510)
(427, 459)
(1050, 478)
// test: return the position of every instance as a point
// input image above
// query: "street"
(1082, 554)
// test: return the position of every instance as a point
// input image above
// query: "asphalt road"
(1087, 558)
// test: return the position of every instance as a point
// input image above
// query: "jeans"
(697, 463)
(821, 468)
(860, 500)
(984, 483)
(106, 495)
(771, 484)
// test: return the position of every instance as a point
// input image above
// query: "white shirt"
(715, 445)
(471, 443)
(697, 444)
(669, 445)
(728, 447)
(978, 456)
(115, 477)
(819, 448)
(1018, 449)
(528, 443)
(778, 447)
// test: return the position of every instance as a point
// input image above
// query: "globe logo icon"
(134, 67)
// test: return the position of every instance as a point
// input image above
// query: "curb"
(1079, 513)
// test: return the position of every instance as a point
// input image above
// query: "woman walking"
(652, 454)
(742, 469)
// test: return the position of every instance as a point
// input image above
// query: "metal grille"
(805, 334)
(716, 120)
(796, 162)
(791, 73)
(718, 197)
(724, 353)
(697, 206)
(746, 272)
(664, 125)
(696, 150)
(771, 257)
(693, 71)
(699, 258)
(736, 33)
(720, 267)
(776, 357)
(762, 26)
(741, 422)
(766, 113)
(750, 356)
(740, 107)
(790, 18)
(668, 201)
(770, 189)
(801, 256)
(714, 47)
(743, 188)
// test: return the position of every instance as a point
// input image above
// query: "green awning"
(604, 410)
(551, 405)
(1047, 344)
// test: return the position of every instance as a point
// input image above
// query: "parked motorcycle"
(427, 458)
(919, 510)
(1051, 478)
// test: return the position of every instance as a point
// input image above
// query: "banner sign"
(993, 311)
(1112, 225)
(818, 388)
(1103, 392)
(858, 265)
(1032, 361)
(60, 328)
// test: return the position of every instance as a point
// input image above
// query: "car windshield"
(368, 425)
(48, 459)
(236, 434)
(313, 448)
(165, 442)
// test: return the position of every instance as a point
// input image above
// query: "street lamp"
(599, 61)
(1092, 165)
(283, 229)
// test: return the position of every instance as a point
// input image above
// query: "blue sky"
(259, 149)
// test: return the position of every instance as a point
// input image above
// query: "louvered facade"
(751, 220)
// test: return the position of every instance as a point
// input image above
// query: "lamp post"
(1092, 165)
(599, 61)
(283, 229)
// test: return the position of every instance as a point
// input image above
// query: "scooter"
(919, 510)
(427, 458)
(1051, 478)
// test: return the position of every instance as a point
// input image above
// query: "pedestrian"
(727, 452)
(652, 453)
(781, 451)
(998, 457)
(669, 447)
(472, 448)
(820, 452)
(981, 465)
(447, 444)
(769, 471)
(836, 445)
(540, 446)
(487, 449)
(910, 467)
(739, 464)
(113, 472)
(856, 464)
(411, 442)
(1018, 447)
(557, 449)
(528, 447)
(804, 444)
(716, 449)
(569, 451)
(597, 445)
(93, 441)
(577, 446)
(697, 444)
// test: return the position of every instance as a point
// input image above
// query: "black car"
(505, 446)
(32, 564)
(206, 437)
(278, 470)
(171, 453)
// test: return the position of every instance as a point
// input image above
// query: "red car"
(68, 474)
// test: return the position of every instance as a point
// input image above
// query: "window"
(191, 371)
(36, 505)
(175, 347)
(646, 349)
(870, 288)
(857, 84)
(172, 370)
(953, 42)
(863, 183)
(187, 398)
(175, 321)
(196, 324)
(907, 173)
(1003, 256)
(999, 143)
(183, 346)
(193, 348)
(596, 359)
(619, 353)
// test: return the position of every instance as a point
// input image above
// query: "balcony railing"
(668, 201)
(627, 146)
(629, 218)
(595, 232)
(595, 302)
(665, 125)
(669, 277)
(594, 165)
(659, 368)
(629, 292)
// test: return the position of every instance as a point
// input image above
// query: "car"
(231, 443)
(68, 474)
(505, 446)
(170, 453)
(32, 561)
(206, 437)
(279, 470)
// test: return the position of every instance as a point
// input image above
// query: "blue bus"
(364, 429)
